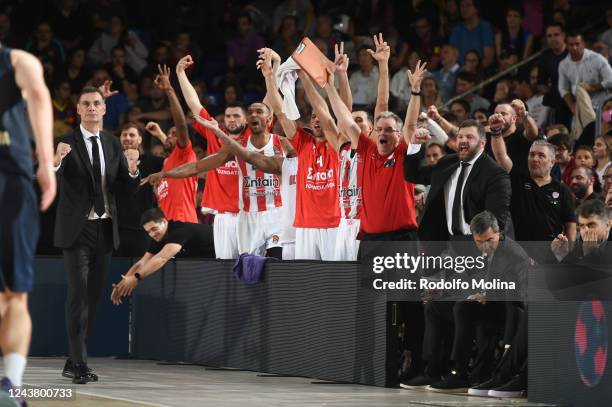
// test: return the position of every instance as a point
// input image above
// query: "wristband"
(137, 275)
(415, 93)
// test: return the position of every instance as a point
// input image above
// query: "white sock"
(14, 366)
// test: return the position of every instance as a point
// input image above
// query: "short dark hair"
(587, 170)
(129, 125)
(555, 24)
(593, 207)
(464, 104)
(90, 89)
(484, 221)
(474, 123)
(574, 33)
(152, 215)
(467, 76)
(245, 15)
(435, 144)
(236, 104)
(516, 8)
(561, 139)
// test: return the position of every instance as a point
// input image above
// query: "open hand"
(382, 50)
(415, 78)
(105, 88)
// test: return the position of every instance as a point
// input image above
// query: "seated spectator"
(70, 23)
(121, 74)
(76, 72)
(502, 92)
(64, 110)
(564, 162)
(582, 184)
(117, 104)
(447, 74)
(157, 150)
(583, 155)
(49, 50)
(154, 107)
(429, 93)
(607, 185)
(471, 62)
(465, 82)
(602, 153)
(460, 108)
(482, 117)
(6, 36)
(136, 52)
(302, 9)
(425, 41)
(324, 32)
(602, 49)
(473, 33)
(605, 36)
(242, 52)
(399, 86)
(287, 37)
(512, 36)
(183, 45)
(434, 153)
(364, 82)
(585, 68)
(159, 56)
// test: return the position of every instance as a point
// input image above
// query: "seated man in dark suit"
(462, 184)
(168, 239)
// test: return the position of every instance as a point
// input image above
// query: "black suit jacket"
(76, 186)
(486, 188)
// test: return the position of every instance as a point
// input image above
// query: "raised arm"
(162, 81)
(448, 127)
(342, 62)
(381, 55)
(523, 118)
(189, 93)
(412, 111)
(346, 123)
(319, 106)
(498, 145)
(271, 165)
(274, 97)
(29, 78)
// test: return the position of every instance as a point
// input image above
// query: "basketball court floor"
(132, 383)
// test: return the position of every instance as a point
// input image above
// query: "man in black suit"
(483, 184)
(91, 170)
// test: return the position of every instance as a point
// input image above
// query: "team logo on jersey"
(350, 192)
(5, 138)
(555, 195)
(320, 175)
(249, 182)
(389, 163)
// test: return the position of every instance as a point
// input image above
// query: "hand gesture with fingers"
(421, 136)
(497, 123)
(105, 88)
(382, 50)
(162, 80)
(265, 62)
(154, 179)
(341, 60)
(433, 113)
(415, 78)
(183, 64)
(560, 246)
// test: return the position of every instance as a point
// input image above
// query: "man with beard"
(582, 185)
(131, 207)
(221, 189)
(541, 206)
(176, 197)
(462, 184)
(518, 139)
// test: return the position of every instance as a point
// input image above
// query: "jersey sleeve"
(365, 143)
(183, 155)
(299, 139)
(203, 131)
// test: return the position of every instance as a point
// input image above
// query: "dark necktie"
(97, 174)
(457, 215)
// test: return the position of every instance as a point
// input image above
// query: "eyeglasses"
(386, 130)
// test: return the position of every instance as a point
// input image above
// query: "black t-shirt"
(517, 147)
(131, 206)
(539, 213)
(548, 74)
(196, 239)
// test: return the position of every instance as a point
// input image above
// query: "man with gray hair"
(541, 207)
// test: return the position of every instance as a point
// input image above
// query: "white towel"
(286, 76)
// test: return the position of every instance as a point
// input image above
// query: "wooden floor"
(147, 383)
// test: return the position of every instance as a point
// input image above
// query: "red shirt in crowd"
(177, 196)
(317, 203)
(388, 199)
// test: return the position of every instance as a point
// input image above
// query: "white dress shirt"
(591, 69)
(88, 145)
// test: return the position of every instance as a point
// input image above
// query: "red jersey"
(388, 199)
(221, 188)
(317, 204)
(260, 191)
(177, 196)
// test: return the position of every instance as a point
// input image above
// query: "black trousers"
(86, 264)
(471, 321)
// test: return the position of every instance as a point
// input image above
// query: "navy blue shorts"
(19, 231)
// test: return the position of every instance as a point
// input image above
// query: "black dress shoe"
(69, 371)
(80, 374)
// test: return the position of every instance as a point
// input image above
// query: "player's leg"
(327, 243)
(306, 247)
(225, 233)
(15, 334)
